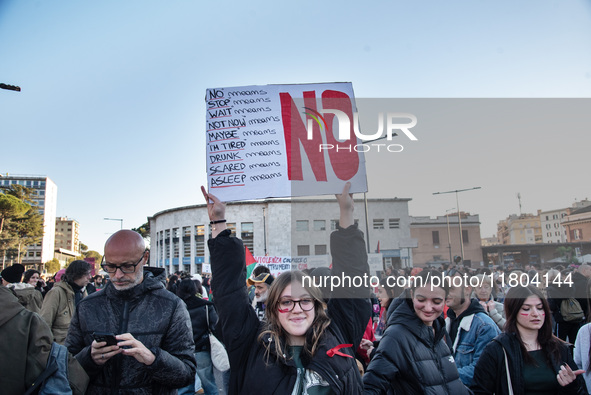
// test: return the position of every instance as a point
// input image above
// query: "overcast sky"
(112, 104)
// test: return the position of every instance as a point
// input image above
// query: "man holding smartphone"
(154, 350)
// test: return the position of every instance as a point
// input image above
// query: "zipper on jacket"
(117, 363)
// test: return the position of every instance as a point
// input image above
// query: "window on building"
(200, 240)
(186, 231)
(465, 236)
(247, 235)
(175, 249)
(578, 234)
(319, 224)
(302, 225)
(232, 227)
(320, 249)
(394, 223)
(175, 233)
(303, 250)
(435, 235)
(378, 223)
(333, 224)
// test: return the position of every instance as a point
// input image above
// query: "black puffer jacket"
(411, 359)
(490, 376)
(241, 327)
(155, 317)
(197, 309)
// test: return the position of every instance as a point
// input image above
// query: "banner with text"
(282, 140)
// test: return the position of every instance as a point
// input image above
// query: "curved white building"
(279, 227)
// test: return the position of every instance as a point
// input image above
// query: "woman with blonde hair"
(304, 345)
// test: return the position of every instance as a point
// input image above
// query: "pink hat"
(59, 274)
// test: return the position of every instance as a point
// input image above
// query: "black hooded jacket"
(412, 358)
(155, 317)
(197, 309)
(251, 371)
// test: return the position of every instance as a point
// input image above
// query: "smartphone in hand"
(108, 337)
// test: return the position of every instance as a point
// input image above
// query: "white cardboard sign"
(281, 141)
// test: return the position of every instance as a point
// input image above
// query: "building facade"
(578, 225)
(439, 239)
(520, 229)
(552, 229)
(67, 236)
(45, 200)
(279, 227)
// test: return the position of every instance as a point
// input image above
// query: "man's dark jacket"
(155, 317)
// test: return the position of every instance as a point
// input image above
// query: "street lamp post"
(448, 234)
(459, 214)
(115, 219)
(265, 229)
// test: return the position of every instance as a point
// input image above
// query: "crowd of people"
(449, 331)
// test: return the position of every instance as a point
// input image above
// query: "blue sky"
(112, 104)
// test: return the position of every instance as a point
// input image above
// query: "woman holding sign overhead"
(305, 345)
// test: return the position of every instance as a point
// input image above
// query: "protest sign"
(282, 140)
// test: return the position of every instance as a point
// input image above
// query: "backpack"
(571, 310)
(54, 379)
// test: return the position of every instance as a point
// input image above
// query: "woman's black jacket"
(490, 375)
(250, 373)
(413, 358)
(197, 309)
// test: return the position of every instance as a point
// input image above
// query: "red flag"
(378, 246)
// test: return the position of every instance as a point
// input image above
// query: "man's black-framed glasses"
(126, 268)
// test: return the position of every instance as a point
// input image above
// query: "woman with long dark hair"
(304, 346)
(527, 358)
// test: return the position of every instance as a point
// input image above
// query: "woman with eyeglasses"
(413, 356)
(304, 346)
(527, 358)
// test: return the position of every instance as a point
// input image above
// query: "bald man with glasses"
(154, 342)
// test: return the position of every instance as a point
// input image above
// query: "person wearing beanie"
(26, 293)
(61, 301)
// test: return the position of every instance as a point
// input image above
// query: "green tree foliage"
(568, 254)
(23, 228)
(88, 254)
(144, 230)
(11, 207)
(52, 266)
(83, 247)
